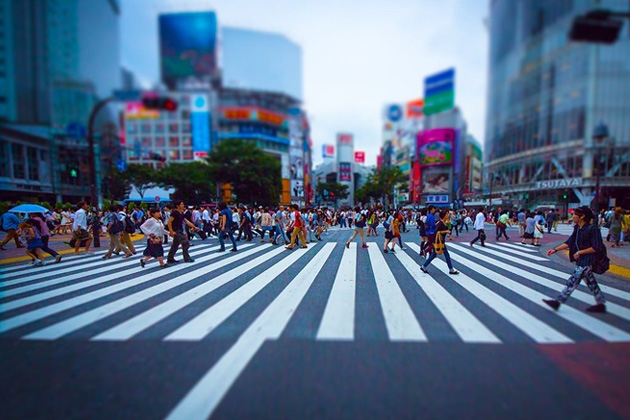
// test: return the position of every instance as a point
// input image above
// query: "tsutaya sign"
(559, 183)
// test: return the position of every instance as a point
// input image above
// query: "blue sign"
(200, 122)
(394, 113)
(439, 83)
(76, 130)
(121, 165)
(437, 199)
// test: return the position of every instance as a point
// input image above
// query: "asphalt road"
(322, 333)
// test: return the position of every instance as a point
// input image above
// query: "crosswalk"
(346, 294)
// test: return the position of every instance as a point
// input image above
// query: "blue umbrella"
(29, 208)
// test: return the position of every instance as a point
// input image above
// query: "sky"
(358, 55)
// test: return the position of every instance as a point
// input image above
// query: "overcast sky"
(357, 54)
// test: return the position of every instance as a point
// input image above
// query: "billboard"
(436, 180)
(328, 150)
(188, 46)
(136, 110)
(436, 147)
(359, 157)
(415, 108)
(345, 171)
(200, 123)
(393, 113)
(297, 188)
(344, 139)
(439, 92)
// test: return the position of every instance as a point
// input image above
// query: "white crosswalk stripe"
(40, 309)
(519, 247)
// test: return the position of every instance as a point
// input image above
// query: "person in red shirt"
(297, 224)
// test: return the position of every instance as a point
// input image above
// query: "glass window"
(33, 163)
(173, 141)
(173, 127)
(173, 154)
(159, 141)
(4, 159)
(132, 128)
(146, 141)
(186, 141)
(159, 128)
(187, 154)
(146, 128)
(17, 150)
(186, 127)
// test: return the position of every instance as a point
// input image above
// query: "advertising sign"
(435, 147)
(328, 150)
(394, 113)
(253, 114)
(437, 199)
(436, 180)
(188, 44)
(559, 183)
(136, 110)
(344, 138)
(415, 108)
(200, 123)
(345, 171)
(297, 188)
(439, 92)
(359, 157)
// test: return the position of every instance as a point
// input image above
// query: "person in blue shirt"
(225, 227)
(430, 232)
(10, 223)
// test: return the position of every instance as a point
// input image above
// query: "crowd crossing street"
(334, 330)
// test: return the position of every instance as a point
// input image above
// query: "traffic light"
(74, 173)
(166, 104)
(596, 26)
(565, 196)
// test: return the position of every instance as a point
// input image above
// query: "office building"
(546, 96)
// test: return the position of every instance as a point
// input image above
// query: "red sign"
(359, 157)
(414, 108)
(201, 154)
(345, 138)
(237, 114)
(157, 198)
(329, 150)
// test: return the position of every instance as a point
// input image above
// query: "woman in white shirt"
(154, 229)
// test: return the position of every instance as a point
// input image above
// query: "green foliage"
(193, 182)
(106, 204)
(142, 177)
(58, 205)
(335, 190)
(382, 183)
(67, 206)
(46, 204)
(4, 207)
(131, 206)
(117, 185)
(254, 176)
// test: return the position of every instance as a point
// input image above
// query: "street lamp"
(600, 132)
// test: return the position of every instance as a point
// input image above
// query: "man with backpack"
(129, 229)
(115, 227)
(587, 250)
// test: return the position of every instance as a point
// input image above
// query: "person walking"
(297, 226)
(522, 216)
(479, 226)
(44, 231)
(10, 224)
(280, 233)
(176, 225)
(538, 233)
(430, 230)
(129, 229)
(153, 228)
(502, 224)
(34, 242)
(583, 244)
(440, 246)
(530, 228)
(225, 227)
(615, 227)
(551, 219)
(359, 223)
(80, 228)
(389, 237)
(115, 227)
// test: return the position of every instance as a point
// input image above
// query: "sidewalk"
(14, 254)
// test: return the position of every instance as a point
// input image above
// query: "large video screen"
(435, 147)
(188, 45)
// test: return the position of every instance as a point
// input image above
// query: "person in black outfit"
(176, 231)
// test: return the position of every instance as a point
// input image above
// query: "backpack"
(2, 229)
(602, 262)
(130, 227)
(116, 227)
(360, 223)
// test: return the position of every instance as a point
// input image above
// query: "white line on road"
(338, 319)
(401, 322)
(514, 252)
(205, 396)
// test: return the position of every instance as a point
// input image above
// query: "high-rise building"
(546, 96)
(261, 61)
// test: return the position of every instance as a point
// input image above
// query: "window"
(146, 141)
(33, 164)
(173, 141)
(186, 141)
(17, 150)
(187, 154)
(146, 128)
(159, 142)
(132, 128)
(159, 128)
(173, 154)
(186, 127)
(173, 127)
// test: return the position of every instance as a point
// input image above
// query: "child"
(34, 243)
(389, 237)
(538, 233)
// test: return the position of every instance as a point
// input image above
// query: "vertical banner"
(200, 122)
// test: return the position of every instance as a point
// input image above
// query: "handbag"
(438, 245)
(501, 225)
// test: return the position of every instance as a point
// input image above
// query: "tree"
(335, 190)
(117, 185)
(254, 176)
(193, 182)
(142, 177)
(382, 182)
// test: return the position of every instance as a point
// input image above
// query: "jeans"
(501, 232)
(229, 234)
(46, 249)
(179, 238)
(280, 233)
(434, 254)
(480, 232)
(578, 274)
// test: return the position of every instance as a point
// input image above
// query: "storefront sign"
(559, 183)
(437, 199)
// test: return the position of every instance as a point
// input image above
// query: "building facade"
(546, 95)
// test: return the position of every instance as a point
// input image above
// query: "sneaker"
(58, 259)
(424, 270)
(471, 244)
(365, 246)
(190, 260)
(105, 257)
(142, 263)
(348, 245)
(599, 308)
(385, 251)
(554, 304)
(128, 256)
(453, 272)
(38, 264)
(172, 261)
(165, 266)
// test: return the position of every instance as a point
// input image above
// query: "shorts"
(388, 235)
(528, 235)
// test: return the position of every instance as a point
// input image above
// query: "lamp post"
(600, 132)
